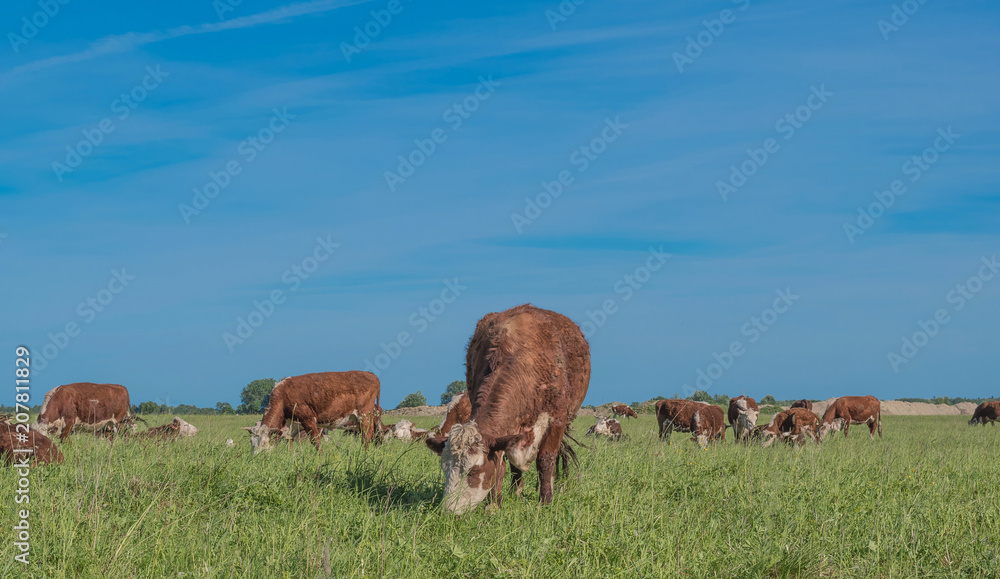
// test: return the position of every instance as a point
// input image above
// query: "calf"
(607, 427)
(623, 410)
(848, 410)
(795, 425)
(803, 404)
(705, 421)
(21, 445)
(405, 430)
(528, 370)
(987, 412)
(172, 431)
(743, 413)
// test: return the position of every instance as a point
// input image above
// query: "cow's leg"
(69, 424)
(517, 479)
(871, 429)
(309, 424)
(496, 495)
(548, 454)
(847, 426)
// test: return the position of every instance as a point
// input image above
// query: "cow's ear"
(248, 428)
(436, 443)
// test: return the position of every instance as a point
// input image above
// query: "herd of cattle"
(527, 371)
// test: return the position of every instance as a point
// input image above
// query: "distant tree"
(701, 396)
(721, 400)
(254, 396)
(456, 387)
(149, 407)
(186, 409)
(411, 400)
(164, 409)
(224, 408)
(768, 400)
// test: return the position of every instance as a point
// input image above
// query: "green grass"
(920, 502)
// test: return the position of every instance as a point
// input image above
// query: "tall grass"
(920, 502)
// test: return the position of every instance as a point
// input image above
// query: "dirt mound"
(898, 408)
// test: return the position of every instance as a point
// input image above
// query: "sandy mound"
(418, 411)
(897, 408)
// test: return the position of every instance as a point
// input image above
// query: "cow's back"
(85, 402)
(532, 348)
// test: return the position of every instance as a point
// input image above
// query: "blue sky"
(658, 132)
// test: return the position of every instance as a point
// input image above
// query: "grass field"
(924, 501)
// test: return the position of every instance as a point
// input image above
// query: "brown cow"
(458, 411)
(987, 412)
(623, 410)
(802, 404)
(20, 445)
(795, 425)
(743, 413)
(528, 370)
(83, 406)
(317, 400)
(848, 410)
(705, 421)
(607, 427)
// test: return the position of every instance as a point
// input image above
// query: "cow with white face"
(528, 370)
(743, 414)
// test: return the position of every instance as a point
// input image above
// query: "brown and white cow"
(528, 370)
(21, 445)
(607, 427)
(802, 404)
(848, 410)
(178, 428)
(458, 411)
(623, 410)
(323, 399)
(987, 412)
(795, 425)
(705, 421)
(83, 406)
(743, 413)
(406, 431)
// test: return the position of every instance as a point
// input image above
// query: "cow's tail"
(878, 419)
(567, 454)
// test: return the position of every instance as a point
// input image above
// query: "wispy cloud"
(125, 42)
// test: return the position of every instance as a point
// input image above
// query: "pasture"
(924, 501)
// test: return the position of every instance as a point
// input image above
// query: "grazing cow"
(316, 400)
(607, 427)
(459, 411)
(705, 421)
(528, 370)
(32, 446)
(743, 414)
(176, 429)
(83, 406)
(848, 410)
(802, 404)
(987, 412)
(795, 425)
(623, 410)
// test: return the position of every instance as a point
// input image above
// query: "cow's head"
(50, 429)
(835, 425)
(974, 421)
(184, 429)
(470, 464)
(770, 433)
(260, 436)
(747, 417)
